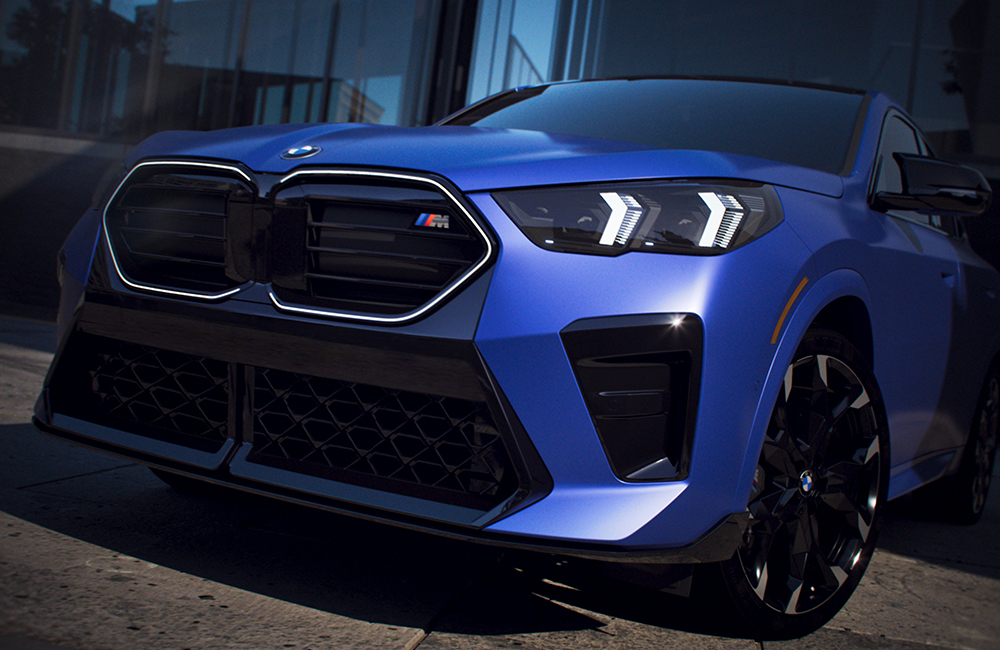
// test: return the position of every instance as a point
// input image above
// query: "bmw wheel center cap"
(296, 153)
(806, 482)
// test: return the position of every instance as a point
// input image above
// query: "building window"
(936, 57)
(132, 67)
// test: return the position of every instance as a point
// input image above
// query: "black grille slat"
(363, 433)
(382, 246)
(174, 258)
(385, 254)
(406, 285)
(173, 234)
(434, 233)
(169, 227)
(176, 195)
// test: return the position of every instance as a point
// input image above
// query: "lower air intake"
(170, 396)
(433, 447)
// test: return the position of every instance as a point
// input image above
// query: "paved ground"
(97, 553)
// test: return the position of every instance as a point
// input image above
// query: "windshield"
(800, 125)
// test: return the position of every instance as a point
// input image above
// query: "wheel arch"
(849, 316)
(839, 301)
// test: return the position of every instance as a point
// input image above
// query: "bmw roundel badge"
(301, 152)
(806, 482)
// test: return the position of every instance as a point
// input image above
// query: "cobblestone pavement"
(96, 552)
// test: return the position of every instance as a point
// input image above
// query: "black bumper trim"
(717, 545)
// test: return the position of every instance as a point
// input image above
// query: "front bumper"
(225, 361)
(537, 436)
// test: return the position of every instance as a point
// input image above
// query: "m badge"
(428, 220)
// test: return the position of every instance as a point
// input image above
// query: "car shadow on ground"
(373, 572)
(358, 569)
(911, 532)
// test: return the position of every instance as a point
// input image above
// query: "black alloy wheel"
(982, 446)
(961, 498)
(818, 493)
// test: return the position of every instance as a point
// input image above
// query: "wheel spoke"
(854, 510)
(802, 534)
(775, 502)
(817, 402)
(848, 492)
(757, 555)
(781, 453)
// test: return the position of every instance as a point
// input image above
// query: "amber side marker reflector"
(784, 314)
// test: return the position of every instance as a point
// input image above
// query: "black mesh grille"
(170, 396)
(431, 447)
(376, 248)
(169, 228)
(436, 447)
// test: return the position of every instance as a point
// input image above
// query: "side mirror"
(933, 186)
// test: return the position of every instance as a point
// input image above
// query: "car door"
(917, 296)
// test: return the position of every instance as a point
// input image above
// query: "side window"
(899, 136)
(896, 136)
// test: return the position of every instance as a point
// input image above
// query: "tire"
(818, 494)
(961, 498)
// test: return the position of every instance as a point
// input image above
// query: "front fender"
(811, 301)
(75, 260)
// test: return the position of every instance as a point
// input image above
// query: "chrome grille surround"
(155, 288)
(437, 186)
(476, 231)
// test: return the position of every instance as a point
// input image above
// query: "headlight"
(694, 218)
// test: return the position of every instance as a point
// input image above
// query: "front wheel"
(818, 492)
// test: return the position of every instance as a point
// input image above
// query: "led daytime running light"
(625, 214)
(725, 214)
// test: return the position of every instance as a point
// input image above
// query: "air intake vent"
(380, 244)
(438, 448)
(168, 224)
(179, 398)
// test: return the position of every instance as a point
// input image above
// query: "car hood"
(474, 159)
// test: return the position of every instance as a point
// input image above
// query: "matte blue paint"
(470, 157)
(931, 301)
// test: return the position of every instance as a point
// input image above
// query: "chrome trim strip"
(162, 290)
(402, 318)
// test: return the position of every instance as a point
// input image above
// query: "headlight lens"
(693, 218)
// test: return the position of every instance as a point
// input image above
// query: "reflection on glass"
(933, 56)
(132, 67)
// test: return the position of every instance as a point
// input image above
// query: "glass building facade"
(128, 68)
(82, 80)
(939, 58)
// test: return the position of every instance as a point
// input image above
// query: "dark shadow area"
(490, 610)
(975, 549)
(352, 568)
(372, 572)
(361, 570)
(41, 198)
(39, 336)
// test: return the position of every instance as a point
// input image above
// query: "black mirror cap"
(933, 186)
